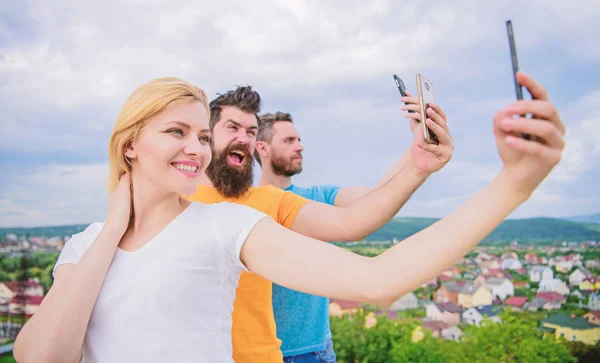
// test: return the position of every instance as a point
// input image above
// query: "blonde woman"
(155, 282)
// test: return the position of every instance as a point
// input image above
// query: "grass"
(7, 358)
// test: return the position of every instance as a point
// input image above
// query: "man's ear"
(261, 147)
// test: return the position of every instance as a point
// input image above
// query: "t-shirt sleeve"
(289, 206)
(329, 193)
(234, 222)
(77, 245)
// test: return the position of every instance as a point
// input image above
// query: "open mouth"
(236, 158)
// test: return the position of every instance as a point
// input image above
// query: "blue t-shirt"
(303, 320)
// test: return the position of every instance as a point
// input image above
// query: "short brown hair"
(265, 127)
(243, 97)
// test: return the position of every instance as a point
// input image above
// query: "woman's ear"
(130, 152)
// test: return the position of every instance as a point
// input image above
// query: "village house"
(512, 255)
(592, 263)
(406, 302)
(590, 284)
(473, 294)
(452, 333)
(10, 289)
(435, 326)
(571, 327)
(482, 257)
(489, 265)
(501, 274)
(446, 312)
(539, 273)
(475, 315)
(26, 305)
(593, 317)
(339, 307)
(554, 285)
(516, 302)
(447, 292)
(511, 264)
(594, 302)
(534, 305)
(530, 258)
(577, 276)
(501, 288)
(564, 266)
(521, 285)
(553, 300)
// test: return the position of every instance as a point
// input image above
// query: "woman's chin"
(188, 190)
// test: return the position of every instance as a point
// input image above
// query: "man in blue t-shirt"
(302, 320)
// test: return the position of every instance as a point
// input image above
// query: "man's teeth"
(188, 168)
(241, 154)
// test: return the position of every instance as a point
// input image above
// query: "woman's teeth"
(188, 168)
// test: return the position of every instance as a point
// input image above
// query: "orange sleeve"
(289, 207)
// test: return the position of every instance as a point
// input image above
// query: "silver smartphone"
(426, 96)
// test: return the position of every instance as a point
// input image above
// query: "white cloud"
(66, 68)
(56, 194)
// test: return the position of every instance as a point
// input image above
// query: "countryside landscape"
(528, 292)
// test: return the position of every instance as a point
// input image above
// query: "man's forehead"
(232, 113)
(285, 129)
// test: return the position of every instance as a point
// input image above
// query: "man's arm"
(371, 211)
(329, 223)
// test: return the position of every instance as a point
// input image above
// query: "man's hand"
(528, 162)
(428, 158)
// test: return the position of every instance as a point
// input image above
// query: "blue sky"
(67, 67)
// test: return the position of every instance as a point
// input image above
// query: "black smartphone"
(401, 88)
(515, 67)
(513, 58)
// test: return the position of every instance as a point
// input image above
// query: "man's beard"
(231, 182)
(283, 167)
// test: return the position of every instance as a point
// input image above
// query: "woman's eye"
(204, 139)
(176, 131)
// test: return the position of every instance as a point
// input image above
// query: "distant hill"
(52, 231)
(590, 218)
(530, 229)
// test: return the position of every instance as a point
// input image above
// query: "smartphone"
(401, 88)
(425, 90)
(513, 58)
(515, 66)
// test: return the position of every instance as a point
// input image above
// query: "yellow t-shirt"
(253, 331)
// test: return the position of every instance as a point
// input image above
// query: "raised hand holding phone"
(527, 162)
(515, 66)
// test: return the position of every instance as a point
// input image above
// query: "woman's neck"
(153, 206)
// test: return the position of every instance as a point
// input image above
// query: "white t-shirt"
(170, 301)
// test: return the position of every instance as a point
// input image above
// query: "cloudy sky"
(66, 68)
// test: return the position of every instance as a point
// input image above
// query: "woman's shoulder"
(83, 239)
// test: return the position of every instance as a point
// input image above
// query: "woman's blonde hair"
(144, 103)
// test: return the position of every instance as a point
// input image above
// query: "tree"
(515, 339)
